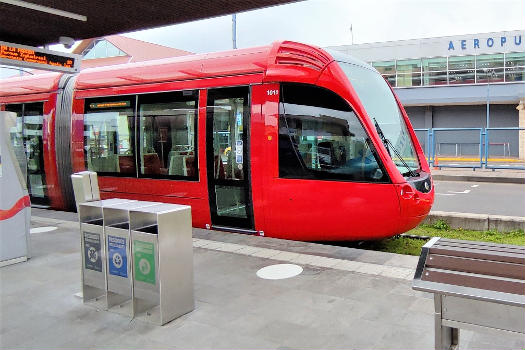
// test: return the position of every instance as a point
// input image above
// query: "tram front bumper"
(416, 197)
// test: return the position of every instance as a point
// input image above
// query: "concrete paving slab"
(324, 307)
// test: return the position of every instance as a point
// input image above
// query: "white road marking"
(445, 194)
(474, 186)
(462, 192)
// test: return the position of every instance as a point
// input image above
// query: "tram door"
(29, 132)
(227, 122)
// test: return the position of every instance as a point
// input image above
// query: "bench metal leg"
(446, 338)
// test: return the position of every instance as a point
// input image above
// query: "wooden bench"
(476, 285)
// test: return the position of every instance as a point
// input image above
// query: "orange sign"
(109, 104)
(25, 56)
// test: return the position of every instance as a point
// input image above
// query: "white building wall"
(457, 45)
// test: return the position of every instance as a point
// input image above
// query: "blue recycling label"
(117, 257)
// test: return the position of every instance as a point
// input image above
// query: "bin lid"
(105, 202)
(130, 205)
(162, 208)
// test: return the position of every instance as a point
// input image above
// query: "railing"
(500, 137)
(489, 148)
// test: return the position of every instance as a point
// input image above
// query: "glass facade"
(387, 70)
(453, 70)
(101, 49)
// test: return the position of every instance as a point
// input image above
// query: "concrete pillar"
(521, 117)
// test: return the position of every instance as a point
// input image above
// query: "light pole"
(490, 73)
(234, 30)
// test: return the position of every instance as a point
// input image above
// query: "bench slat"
(478, 266)
(474, 281)
(481, 245)
(478, 254)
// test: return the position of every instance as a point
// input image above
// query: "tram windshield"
(381, 106)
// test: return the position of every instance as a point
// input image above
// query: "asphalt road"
(480, 198)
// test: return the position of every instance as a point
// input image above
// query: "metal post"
(445, 338)
(234, 30)
(430, 147)
(482, 150)
(521, 132)
(489, 73)
(488, 99)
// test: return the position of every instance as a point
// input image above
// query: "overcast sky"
(327, 23)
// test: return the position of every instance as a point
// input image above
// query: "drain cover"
(279, 271)
(43, 229)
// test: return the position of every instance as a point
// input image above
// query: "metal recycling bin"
(92, 243)
(162, 251)
(118, 255)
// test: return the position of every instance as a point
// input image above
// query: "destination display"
(109, 104)
(33, 57)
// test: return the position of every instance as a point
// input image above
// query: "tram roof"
(42, 22)
(258, 60)
(274, 62)
(29, 84)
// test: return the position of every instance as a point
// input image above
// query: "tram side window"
(109, 136)
(320, 137)
(15, 134)
(167, 124)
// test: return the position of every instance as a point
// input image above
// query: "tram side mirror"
(378, 174)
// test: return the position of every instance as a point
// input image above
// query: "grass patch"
(398, 245)
(513, 237)
(412, 246)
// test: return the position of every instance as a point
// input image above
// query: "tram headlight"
(407, 191)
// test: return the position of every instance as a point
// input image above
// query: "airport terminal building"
(445, 82)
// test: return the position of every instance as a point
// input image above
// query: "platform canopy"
(41, 22)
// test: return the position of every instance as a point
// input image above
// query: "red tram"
(287, 140)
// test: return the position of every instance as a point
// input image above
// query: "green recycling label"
(144, 257)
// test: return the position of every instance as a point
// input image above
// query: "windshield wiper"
(388, 144)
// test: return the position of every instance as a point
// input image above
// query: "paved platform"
(479, 175)
(345, 298)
